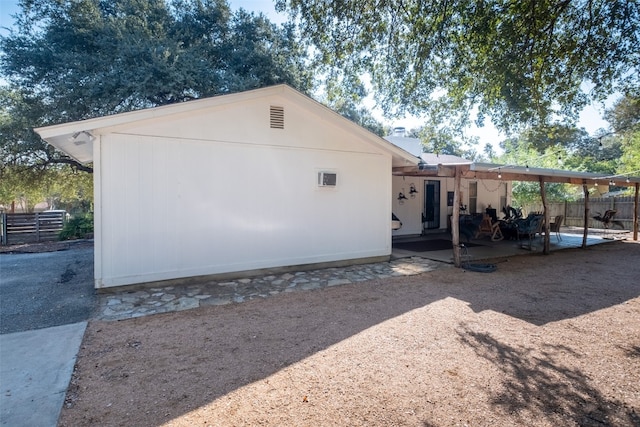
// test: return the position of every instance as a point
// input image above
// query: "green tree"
(521, 151)
(625, 120)
(520, 62)
(61, 186)
(631, 154)
(73, 60)
(346, 98)
(624, 117)
(440, 140)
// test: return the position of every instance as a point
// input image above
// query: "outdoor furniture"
(511, 213)
(492, 213)
(490, 228)
(529, 227)
(554, 227)
(607, 219)
(469, 225)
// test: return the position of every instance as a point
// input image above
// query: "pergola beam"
(466, 173)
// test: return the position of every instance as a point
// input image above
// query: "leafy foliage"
(625, 119)
(346, 98)
(520, 62)
(625, 114)
(61, 187)
(523, 152)
(73, 60)
(77, 227)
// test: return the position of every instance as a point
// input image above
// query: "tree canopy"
(625, 121)
(522, 63)
(73, 60)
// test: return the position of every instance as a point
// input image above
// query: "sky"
(590, 119)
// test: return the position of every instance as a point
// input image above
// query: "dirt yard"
(543, 341)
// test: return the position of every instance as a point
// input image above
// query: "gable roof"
(75, 138)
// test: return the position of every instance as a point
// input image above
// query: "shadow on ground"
(213, 351)
(536, 381)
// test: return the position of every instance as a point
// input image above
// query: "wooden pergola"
(516, 173)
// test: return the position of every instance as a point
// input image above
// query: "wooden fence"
(574, 211)
(30, 227)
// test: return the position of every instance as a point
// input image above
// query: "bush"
(77, 227)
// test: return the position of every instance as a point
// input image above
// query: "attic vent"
(277, 117)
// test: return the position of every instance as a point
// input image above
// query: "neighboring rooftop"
(414, 146)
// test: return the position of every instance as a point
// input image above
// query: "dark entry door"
(431, 219)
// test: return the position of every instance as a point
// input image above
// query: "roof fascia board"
(121, 119)
(107, 124)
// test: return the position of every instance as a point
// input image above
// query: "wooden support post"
(585, 189)
(455, 220)
(635, 214)
(543, 196)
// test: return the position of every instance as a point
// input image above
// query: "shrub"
(77, 227)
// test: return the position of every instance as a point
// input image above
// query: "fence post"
(37, 227)
(3, 230)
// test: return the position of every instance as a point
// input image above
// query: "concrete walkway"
(35, 369)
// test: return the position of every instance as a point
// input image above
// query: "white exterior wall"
(489, 192)
(220, 191)
(410, 212)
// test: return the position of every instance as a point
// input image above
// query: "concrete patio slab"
(487, 249)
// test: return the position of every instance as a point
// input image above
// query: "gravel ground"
(543, 341)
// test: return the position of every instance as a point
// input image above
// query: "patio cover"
(467, 170)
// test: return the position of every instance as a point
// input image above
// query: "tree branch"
(73, 163)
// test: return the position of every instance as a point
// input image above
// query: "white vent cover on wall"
(276, 115)
(327, 179)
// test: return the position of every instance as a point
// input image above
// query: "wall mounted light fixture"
(82, 137)
(401, 197)
(412, 190)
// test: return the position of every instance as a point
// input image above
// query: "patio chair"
(469, 225)
(529, 227)
(554, 227)
(490, 228)
(607, 219)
